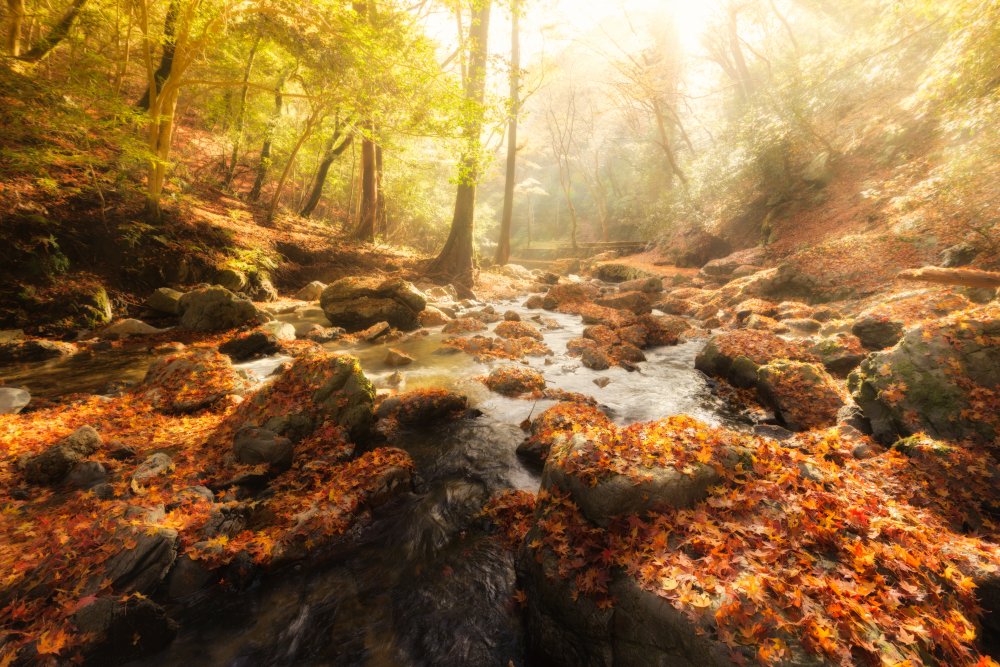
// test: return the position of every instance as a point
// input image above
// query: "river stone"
(935, 380)
(231, 279)
(128, 327)
(155, 465)
(13, 400)
(432, 316)
(311, 292)
(329, 387)
(189, 381)
(397, 358)
(534, 302)
(513, 380)
(141, 568)
(563, 295)
(877, 333)
(595, 358)
(215, 308)
(803, 395)
(19, 351)
(87, 474)
(280, 330)
(251, 345)
(53, 464)
(356, 303)
(123, 630)
(650, 285)
(165, 300)
(254, 446)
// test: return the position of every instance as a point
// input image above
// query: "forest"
(504, 333)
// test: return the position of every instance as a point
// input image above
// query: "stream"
(422, 585)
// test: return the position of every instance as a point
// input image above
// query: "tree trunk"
(381, 221)
(455, 261)
(241, 112)
(368, 210)
(15, 11)
(169, 50)
(307, 131)
(265, 152)
(965, 277)
(503, 244)
(332, 153)
(59, 32)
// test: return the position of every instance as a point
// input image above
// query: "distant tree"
(514, 107)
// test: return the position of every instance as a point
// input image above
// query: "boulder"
(280, 330)
(616, 272)
(254, 446)
(318, 387)
(693, 246)
(432, 316)
(534, 302)
(120, 631)
(736, 355)
(311, 292)
(516, 271)
(355, 303)
(250, 346)
(423, 407)
(21, 351)
(803, 395)
(395, 358)
(573, 293)
(215, 308)
(155, 465)
(165, 300)
(638, 303)
(840, 353)
(560, 419)
(877, 333)
(188, 381)
(515, 380)
(261, 288)
(651, 285)
(52, 465)
(141, 568)
(13, 400)
(231, 279)
(511, 316)
(942, 379)
(957, 255)
(517, 329)
(87, 474)
(90, 305)
(818, 172)
(595, 358)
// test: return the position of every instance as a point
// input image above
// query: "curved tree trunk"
(169, 49)
(265, 152)
(503, 244)
(332, 153)
(455, 261)
(59, 32)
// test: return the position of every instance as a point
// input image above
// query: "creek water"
(422, 584)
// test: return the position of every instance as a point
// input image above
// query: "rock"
(511, 316)
(534, 301)
(736, 355)
(374, 332)
(251, 346)
(651, 285)
(517, 329)
(215, 308)
(356, 303)
(803, 395)
(877, 333)
(635, 302)
(254, 446)
(626, 354)
(395, 358)
(602, 382)
(13, 400)
(91, 305)
(802, 325)
(566, 266)
(840, 353)
(188, 381)
(280, 330)
(516, 271)
(674, 306)
(432, 316)
(311, 292)
(120, 452)
(52, 465)
(21, 351)
(329, 387)
(615, 272)
(231, 279)
(818, 172)
(693, 246)
(325, 334)
(155, 465)
(596, 359)
(940, 380)
(141, 568)
(261, 288)
(423, 407)
(559, 420)
(87, 474)
(463, 325)
(187, 578)
(128, 327)
(165, 300)
(961, 254)
(11, 336)
(575, 293)
(515, 380)
(123, 630)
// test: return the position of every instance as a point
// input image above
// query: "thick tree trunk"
(381, 220)
(333, 151)
(455, 261)
(59, 32)
(265, 152)
(368, 210)
(506, 218)
(964, 277)
(241, 113)
(16, 12)
(169, 49)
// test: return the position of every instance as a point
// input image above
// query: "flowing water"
(422, 585)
